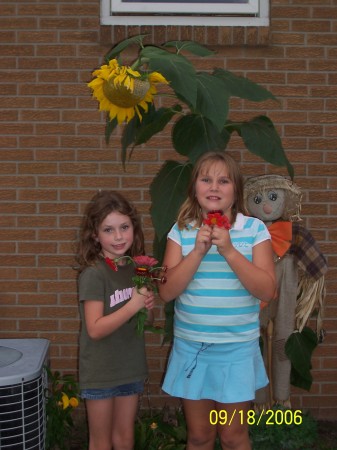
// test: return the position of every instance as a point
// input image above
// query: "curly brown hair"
(100, 206)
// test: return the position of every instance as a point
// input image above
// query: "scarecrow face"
(267, 205)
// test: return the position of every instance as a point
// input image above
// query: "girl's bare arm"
(100, 326)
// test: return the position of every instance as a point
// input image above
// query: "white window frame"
(117, 12)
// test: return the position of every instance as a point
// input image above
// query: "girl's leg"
(234, 434)
(201, 433)
(100, 420)
(124, 416)
(111, 422)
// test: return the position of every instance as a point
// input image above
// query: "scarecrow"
(300, 269)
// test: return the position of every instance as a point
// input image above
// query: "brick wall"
(54, 158)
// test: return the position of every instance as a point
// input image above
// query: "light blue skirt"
(225, 373)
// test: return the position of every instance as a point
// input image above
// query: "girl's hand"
(203, 241)
(221, 238)
(143, 298)
(100, 325)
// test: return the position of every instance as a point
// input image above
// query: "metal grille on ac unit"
(22, 384)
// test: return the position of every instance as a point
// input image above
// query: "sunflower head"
(124, 92)
(122, 96)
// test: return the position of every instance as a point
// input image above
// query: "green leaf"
(193, 135)
(115, 51)
(212, 99)
(159, 246)
(109, 128)
(190, 46)
(168, 190)
(169, 316)
(299, 348)
(154, 123)
(262, 139)
(302, 379)
(175, 68)
(242, 87)
(129, 136)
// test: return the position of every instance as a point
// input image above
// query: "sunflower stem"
(232, 124)
(136, 64)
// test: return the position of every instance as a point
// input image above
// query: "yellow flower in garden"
(73, 402)
(154, 426)
(64, 401)
(122, 91)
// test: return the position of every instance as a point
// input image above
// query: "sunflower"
(122, 91)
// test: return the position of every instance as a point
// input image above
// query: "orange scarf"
(281, 237)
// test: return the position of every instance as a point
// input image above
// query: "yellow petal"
(73, 402)
(156, 77)
(132, 72)
(65, 401)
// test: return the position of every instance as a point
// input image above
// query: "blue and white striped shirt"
(215, 307)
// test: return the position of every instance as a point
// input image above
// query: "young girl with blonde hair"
(217, 276)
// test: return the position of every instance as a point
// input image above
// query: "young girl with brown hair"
(112, 363)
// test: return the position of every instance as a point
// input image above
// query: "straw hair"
(293, 195)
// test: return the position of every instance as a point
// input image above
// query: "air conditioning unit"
(22, 384)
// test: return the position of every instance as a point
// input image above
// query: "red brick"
(41, 325)
(17, 23)
(18, 286)
(36, 36)
(37, 247)
(290, 11)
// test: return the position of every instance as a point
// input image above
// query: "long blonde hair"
(190, 210)
(100, 206)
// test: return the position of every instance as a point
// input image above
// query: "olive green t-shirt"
(119, 358)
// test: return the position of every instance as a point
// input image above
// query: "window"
(174, 12)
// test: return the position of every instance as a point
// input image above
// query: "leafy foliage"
(283, 436)
(299, 348)
(62, 397)
(200, 120)
(170, 184)
(165, 430)
(158, 430)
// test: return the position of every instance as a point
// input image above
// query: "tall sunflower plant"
(198, 115)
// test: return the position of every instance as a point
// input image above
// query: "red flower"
(111, 263)
(146, 274)
(144, 260)
(217, 218)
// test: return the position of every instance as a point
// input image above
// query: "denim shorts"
(136, 387)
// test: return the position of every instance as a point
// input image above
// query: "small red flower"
(145, 261)
(146, 274)
(217, 218)
(111, 263)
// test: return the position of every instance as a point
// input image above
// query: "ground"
(327, 437)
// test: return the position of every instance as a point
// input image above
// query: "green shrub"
(286, 429)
